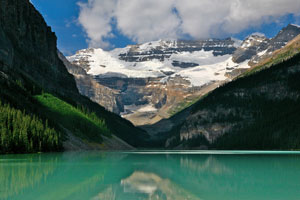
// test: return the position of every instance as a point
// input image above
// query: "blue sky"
(62, 17)
(77, 26)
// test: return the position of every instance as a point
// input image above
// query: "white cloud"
(95, 17)
(146, 20)
(200, 19)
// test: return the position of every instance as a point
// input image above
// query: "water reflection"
(108, 194)
(154, 187)
(121, 176)
(210, 164)
(21, 172)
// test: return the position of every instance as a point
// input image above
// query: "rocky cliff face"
(149, 82)
(89, 87)
(251, 47)
(29, 64)
(162, 50)
(257, 47)
(26, 39)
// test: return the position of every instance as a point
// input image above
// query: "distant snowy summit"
(193, 60)
(160, 76)
(199, 61)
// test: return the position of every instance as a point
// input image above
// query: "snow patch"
(258, 34)
(202, 75)
(207, 67)
(237, 43)
(199, 57)
(298, 26)
(262, 52)
(128, 109)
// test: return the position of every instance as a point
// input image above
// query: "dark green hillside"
(258, 111)
(30, 67)
(273, 120)
(22, 133)
(74, 119)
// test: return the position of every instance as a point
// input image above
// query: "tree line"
(24, 133)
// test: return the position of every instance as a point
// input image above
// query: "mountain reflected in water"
(129, 176)
(154, 187)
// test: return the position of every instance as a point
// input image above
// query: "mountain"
(257, 47)
(45, 108)
(259, 110)
(154, 80)
(146, 83)
(42, 108)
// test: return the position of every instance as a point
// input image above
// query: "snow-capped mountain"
(156, 79)
(164, 59)
(257, 47)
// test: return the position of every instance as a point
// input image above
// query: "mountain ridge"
(154, 80)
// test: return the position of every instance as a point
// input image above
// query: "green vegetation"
(22, 133)
(34, 122)
(81, 122)
(70, 114)
(279, 56)
(257, 111)
(263, 109)
(27, 172)
(183, 105)
(29, 67)
(277, 127)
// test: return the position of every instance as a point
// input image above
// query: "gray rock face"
(83, 62)
(72, 68)
(28, 44)
(283, 37)
(89, 87)
(167, 48)
(257, 47)
(250, 47)
(148, 95)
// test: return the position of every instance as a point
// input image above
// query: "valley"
(149, 100)
(164, 94)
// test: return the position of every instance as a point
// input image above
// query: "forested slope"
(260, 110)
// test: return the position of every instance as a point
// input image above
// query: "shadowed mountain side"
(29, 66)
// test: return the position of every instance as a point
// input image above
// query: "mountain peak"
(255, 39)
(257, 34)
(289, 29)
(284, 36)
(293, 26)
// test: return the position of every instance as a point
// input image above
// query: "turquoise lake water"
(207, 175)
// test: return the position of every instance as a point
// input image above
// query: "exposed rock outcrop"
(29, 45)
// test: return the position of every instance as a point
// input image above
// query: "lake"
(146, 175)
